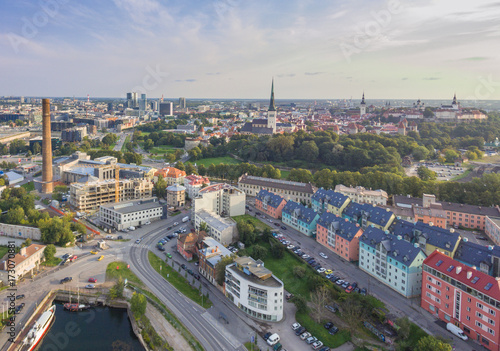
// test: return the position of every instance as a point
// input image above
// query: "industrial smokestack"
(47, 185)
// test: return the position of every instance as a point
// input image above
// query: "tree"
(277, 250)
(117, 290)
(49, 252)
(319, 299)
(259, 252)
(220, 269)
(15, 216)
(55, 230)
(190, 168)
(300, 303)
(299, 271)
(180, 165)
(450, 155)
(404, 328)
(430, 343)
(425, 173)
(26, 243)
(246, 232)
(148, 144)
(203, 227)
(138, 304)
(160, 187)
(308, 151)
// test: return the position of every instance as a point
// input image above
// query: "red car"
(92, 280)
(349, 289)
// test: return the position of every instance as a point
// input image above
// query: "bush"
(299, 271)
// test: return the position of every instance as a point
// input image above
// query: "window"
(491, 331)
(479, 324)
(479, 305)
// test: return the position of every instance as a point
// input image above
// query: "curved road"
(188, 312)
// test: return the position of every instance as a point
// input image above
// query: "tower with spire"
(362, 106)
(454, 103)
(271, 113)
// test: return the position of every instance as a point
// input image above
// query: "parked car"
(305, 256)
(333, 330)
(90, 286)
(311, 339)
(339, 282)
(328, 271)
(357, 290)
(331, 309)
(161, 248)
(100, 258)
(92, 280)
(317, 345)
(296, 326)
(323, 255)
(305, 335)
(65, 256)
(257, 213)
(196, 276)
(169, 255)
(328, 325)
(19, 297)
(190, 272)
(345, 285)
(267, 335)
(349, 289)
(138, 241)
(276, 224)
(300, 331)
(283, 227)
(65, 280)
(363, 291)
(93, 252)
(183, 266)
(321, 270)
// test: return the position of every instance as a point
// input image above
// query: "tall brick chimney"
(47, 185)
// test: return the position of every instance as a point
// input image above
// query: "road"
(395, 303)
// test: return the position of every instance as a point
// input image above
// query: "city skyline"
(232, 49)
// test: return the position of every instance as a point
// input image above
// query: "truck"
(452, 328)
(185, 219)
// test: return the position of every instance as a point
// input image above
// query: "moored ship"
(39, 329)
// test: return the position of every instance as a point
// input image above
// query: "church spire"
(363, 99)
(272, 107)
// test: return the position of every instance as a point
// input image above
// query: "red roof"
(464, 274)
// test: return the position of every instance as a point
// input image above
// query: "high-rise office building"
(166, 108)
(182, 103)
(132, 101)
(143, 102)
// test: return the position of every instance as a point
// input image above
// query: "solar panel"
(488, 286)
(474, 280)
(439, 263)
(450, 268)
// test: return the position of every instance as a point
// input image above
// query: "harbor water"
(99, 328)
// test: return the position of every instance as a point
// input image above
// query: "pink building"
(270, 203)
(462, 295)
(339, 235)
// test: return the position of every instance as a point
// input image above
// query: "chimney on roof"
(458, 270)
(469, 274)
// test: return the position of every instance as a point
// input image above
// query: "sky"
(314, 49)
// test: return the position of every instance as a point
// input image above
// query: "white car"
(305, 335)
(138, 241)
(176, 223)
(305, 256)
(317, 345)
(323, 255)
(289, 247)
(296, 326)
(321, 270)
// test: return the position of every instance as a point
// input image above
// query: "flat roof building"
(130, 213)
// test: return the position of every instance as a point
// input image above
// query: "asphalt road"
(395, 303)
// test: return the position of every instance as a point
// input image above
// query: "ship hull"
(41, 332)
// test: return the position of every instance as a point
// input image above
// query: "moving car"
(283, 227)
(100, 258)
(65, 280)
(19, 297)
(93, 252)
(323, 255)
(92, 280)
(90, 286)
(138, 241)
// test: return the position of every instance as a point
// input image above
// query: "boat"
(39, 329)
(75, 307)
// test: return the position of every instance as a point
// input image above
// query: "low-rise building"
(362, 195)
(26, 262)
(392, 260)
(300, 217)
(337, 203)
(194, 183)
(295, 191)
(221, 198)
(427, 237)
(210, 253)
(130, 213)
(269, 203)
(171, 175)
(176, 196)
(223, 230)
(254, 289)
(367, 215)
(492, 228)
(339, 235)
(189, 243)
(90, 195)
(466, 297)
(320, 199)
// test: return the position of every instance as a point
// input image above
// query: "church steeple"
(454, 99)
(272, 107)
(363, 99)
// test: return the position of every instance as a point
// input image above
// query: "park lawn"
(284, 174)
(217, 160)
(178, 281)
(321, 333)
(125, 273)
(54, 261)
(257, 223)
(163, 149)
(127, 140)
(30, 186)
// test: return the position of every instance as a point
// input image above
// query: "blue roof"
(376, 215)
(303, 213)
(343, 227)
(436, 236)
(329, 196)
(473, 254)
(399, 250)
(270, 198)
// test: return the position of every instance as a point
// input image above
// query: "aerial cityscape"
(229, 175)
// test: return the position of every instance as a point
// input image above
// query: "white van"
(456, 331)
(273, 339)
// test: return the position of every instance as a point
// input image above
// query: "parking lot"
(443, 172)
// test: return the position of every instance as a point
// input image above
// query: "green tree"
(160, 187)
(220, 269)
(26, 243)
(430, 343)
(277, 250)
(15, 216)
(425, 173)
(190, 168)
(308, 151)
(300, 303)
(117, 290)
(148, 144)
(450, 155)
(49, 252)
(180, 165)
(259, 252)
(203, 227)
(404, 328)
(299, 272)
(56, 231)
(138, 304)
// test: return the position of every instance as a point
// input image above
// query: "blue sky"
(232, 48)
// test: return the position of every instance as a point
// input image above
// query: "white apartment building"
(131, 213)
(223, 230)
(222, 198)
(254, 289)
(25, 262)
(194, 183)
(362, 195)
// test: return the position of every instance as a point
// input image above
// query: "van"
(456, 331)
(273, 339)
